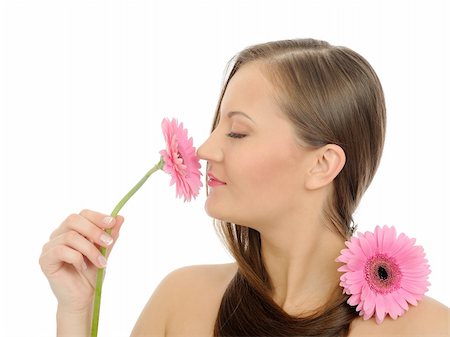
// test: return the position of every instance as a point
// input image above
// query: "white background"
(84, 86)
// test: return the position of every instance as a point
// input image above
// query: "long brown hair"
(331, 95)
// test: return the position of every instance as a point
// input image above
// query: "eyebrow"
(234, 113)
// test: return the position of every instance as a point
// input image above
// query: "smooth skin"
(272, 185)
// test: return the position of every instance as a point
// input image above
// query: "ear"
(328, 161)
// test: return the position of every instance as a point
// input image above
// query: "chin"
(220, 211)
(211, 210)
(217, 214)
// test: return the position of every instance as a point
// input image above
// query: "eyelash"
(236, 135)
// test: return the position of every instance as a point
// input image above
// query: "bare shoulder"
(183, 294)
(429, 318)
(201, 275)
(192, 281)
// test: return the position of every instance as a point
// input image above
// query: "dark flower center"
(382, 273)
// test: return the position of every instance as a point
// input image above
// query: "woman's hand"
(71, 257)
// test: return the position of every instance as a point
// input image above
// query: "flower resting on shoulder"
(180, 160)
(383, 273)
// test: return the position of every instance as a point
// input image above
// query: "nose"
(210, 150)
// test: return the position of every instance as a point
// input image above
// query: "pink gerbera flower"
(383, 273)
(182, 163)
(180, 160)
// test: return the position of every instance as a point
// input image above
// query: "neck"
(301, 263)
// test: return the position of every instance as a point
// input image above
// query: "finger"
(101, 220)
(116, 229)
(115, 233)
(82, 225)
(79, 243)
(106, 222)
(52, 260)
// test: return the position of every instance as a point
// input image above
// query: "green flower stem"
(101, 271)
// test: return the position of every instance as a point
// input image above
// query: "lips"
(213, 181)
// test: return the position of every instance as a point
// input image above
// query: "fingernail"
(84, 265)
(108, 220)
(101, 259)
(106, 239)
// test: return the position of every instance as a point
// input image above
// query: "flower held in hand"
(383, 273)
(180, 160)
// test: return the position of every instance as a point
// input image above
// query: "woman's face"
(254, 152)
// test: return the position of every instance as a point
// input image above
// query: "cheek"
(270, 172)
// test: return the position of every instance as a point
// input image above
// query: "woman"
(296, 140)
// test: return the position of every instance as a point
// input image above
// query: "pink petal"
(399, 244)
(365, 291)
(355, 276)
(417, 272)
(365, 246)
(345, 256)
(400, 300)
(354, 299)
(405, 254)
(355, 247)
(344, 268)
(407, 296)
(392, 307)
(413, 288)
(379, 320)
(379, 233)
(369, 305)
(380, 311)
(356, 287)
(356, 263)
(388, 240)
(373, 242)
(359, 308)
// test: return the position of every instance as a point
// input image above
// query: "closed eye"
(236, 135)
